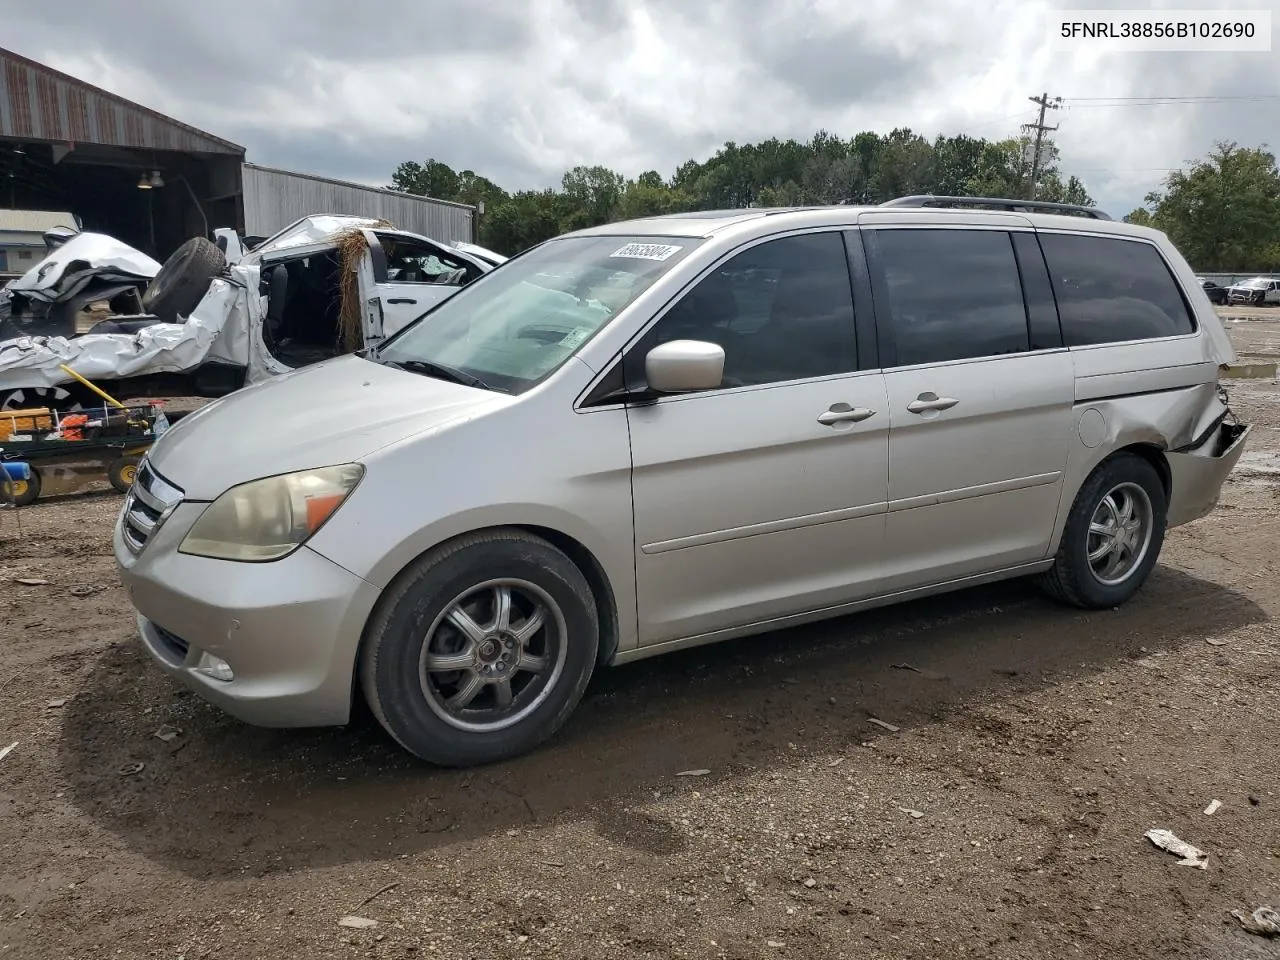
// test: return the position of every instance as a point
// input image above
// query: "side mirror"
(683, 366)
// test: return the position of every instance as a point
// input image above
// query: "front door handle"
(401, 300)
(928, 402)
(851, 415)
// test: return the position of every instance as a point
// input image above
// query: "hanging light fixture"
(144, 183)
(156, 179)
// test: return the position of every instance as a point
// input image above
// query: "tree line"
(1223, 212)
(869, 168)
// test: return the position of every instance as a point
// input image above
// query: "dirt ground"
(1005, 818)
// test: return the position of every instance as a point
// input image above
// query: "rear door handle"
(927, 402)
(853, 415)
(401, 300)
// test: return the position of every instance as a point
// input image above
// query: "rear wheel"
(482, 649)
(1113, 535)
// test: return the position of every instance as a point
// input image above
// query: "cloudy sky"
(527, 88)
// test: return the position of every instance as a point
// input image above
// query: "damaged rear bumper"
(1197, 474)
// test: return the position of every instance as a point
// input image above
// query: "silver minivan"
(650, 435)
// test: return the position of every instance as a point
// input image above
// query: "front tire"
(481, 650)
(1113, 535)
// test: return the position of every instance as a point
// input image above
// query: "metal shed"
(274, 198)
(122, 168)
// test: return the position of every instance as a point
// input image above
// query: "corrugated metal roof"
(35, 221)
(40, 103)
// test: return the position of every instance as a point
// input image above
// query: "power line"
(1224, 96)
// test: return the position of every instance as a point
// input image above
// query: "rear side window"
(951, 294)
(1110, 290)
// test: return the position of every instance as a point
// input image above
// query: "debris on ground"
(1255, 800)
(693, 773)
(357, 923)
(81, 591)
(886, 726)
(1213, 807)
(32, 582)
(1214, 642)
(913, 814)
(57, 704)
(374, 896)
(1191, 856)
(168, 734)
(927, 674)
(8, 750)
(1263, 922)
(131, 769)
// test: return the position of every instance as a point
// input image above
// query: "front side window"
(512, 327)
(782, 310)
(952, 294)
(1111, 290)
(410, 261)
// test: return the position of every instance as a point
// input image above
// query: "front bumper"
(289, 629)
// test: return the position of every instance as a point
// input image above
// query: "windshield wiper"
(438, 370)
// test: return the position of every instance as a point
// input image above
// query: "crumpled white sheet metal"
(162, 348)
(318, 229)
(100, 251)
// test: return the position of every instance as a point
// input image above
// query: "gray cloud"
(521, 91)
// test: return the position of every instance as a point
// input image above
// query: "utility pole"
(1045, 104)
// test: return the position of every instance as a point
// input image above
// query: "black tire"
(1073, 579)
(121, 472)
(22, 493)
(184, 279)
(410, 618)
(54, 398)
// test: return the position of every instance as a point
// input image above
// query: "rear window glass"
(1111, 290)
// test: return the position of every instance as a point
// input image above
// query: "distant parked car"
(1215, 292)
(1260, 291)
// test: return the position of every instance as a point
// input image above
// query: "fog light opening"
(215, 668)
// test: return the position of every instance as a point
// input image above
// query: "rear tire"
(481, 650)
(1112, 537)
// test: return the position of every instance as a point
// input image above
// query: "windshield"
(1257, 283)
(512, 327)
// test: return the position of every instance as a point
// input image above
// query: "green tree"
(430, 179)
(1224, 212)
(593, 193)
(1139, 216)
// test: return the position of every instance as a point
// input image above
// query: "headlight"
(270, 518)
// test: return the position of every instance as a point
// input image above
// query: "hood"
(334, 412)
(87, 253)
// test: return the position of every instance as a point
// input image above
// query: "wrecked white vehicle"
(215, 317)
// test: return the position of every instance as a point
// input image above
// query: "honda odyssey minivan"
(655, 434)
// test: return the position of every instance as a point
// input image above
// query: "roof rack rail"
(1016, 206)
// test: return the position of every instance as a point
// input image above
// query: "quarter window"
(1110, 290)
(781, 311)
(951, 294)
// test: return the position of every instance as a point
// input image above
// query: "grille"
(147, 505)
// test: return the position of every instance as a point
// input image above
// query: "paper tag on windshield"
(647, 251)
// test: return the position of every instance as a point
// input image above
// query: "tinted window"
(782, 310)
(951, 294)
(1111, 290)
